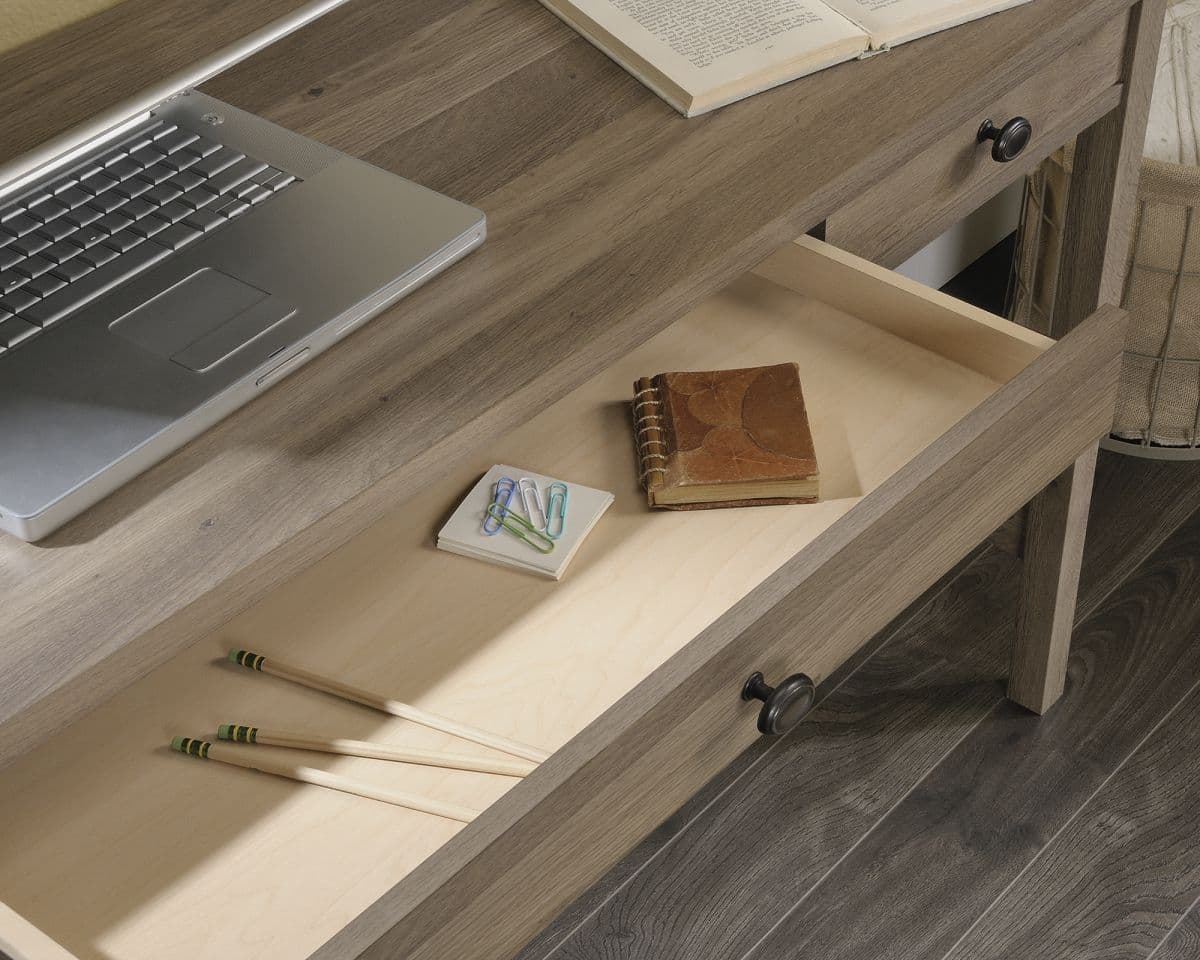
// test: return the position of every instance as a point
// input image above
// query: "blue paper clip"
(556, 509)
(520, 528)
(502, 495)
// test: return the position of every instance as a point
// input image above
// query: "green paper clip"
(519, 527)
(556, 509)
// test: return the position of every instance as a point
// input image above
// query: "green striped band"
(237, 733)
(244, 658)
(191, 746)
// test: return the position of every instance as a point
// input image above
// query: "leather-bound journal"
(724, 438)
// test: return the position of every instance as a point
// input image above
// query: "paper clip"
(502, 495)
(519, 527)
(531, 499)
(556, 509)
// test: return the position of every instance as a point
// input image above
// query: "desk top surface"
(609, 216)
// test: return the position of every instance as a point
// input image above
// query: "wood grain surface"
(691, 884)
(1183, 942)
(1095, 245)
(1133, 842)
(709, 796)
(871, 739)
(977, 820)
(58, 79)
(526, 658)
(1055, 530)
(671, 734)
(614, 780)
(896, 217)
(1099, 227)
(609, 216)
(1136, 505)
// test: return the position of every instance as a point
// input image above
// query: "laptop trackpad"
(203, 319)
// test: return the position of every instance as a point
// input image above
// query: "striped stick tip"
(238, 733)
(192, 746)
(244, 658)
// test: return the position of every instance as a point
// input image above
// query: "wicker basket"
(1032, 286)
(1158, 403)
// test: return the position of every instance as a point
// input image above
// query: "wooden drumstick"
(277, 668)
(241, 733)
(253, 760)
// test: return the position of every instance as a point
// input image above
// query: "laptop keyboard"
(78, 237)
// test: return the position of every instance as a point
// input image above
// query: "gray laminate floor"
(918, 814)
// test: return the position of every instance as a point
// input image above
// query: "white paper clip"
(531, 500)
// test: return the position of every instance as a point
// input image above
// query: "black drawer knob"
(784, 706)
(1009, 140)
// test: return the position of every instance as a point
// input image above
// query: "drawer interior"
(119, 849)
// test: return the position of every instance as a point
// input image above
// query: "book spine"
(650, 432)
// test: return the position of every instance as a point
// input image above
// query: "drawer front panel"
(494, 887)
(902, 212)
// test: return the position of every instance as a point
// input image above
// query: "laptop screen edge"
(18, 173)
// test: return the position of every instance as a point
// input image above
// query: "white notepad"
(463, 533)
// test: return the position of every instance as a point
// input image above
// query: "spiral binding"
(646, 423)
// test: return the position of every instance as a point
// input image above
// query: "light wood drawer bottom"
(932, 421)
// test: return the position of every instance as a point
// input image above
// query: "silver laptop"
(163, 264)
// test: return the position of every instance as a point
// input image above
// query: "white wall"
(966, 241)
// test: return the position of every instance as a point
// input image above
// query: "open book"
(702, 54)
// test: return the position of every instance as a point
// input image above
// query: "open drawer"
(933, 422)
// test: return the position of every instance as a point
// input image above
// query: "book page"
(701, 49)
(892, 22)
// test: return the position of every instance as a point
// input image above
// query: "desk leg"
(1096, 237)
(1055, 529)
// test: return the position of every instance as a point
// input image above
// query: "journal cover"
(724, 438)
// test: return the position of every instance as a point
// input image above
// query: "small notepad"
(463, 533)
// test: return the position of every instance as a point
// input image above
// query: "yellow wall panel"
(25, 20)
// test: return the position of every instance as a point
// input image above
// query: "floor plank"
(1136, 505)
(916, 885)
(1118, 876)
(1183, 942)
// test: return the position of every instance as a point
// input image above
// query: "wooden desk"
(610, 218)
